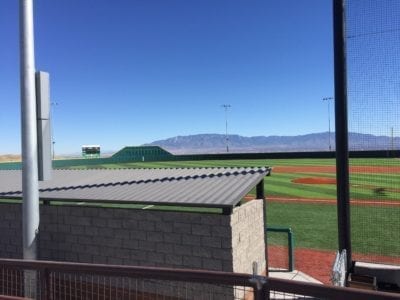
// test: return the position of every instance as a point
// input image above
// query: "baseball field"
(301, 194)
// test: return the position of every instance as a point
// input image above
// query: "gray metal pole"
(30, 185)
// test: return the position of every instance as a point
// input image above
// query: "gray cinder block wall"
(10, 230)
(142, 237)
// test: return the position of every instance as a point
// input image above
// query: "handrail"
(133, 271)
(261, 285)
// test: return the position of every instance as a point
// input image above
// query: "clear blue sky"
(129, 72)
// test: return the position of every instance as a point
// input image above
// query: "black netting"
(373, 62)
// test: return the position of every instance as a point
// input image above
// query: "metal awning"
(204, 187)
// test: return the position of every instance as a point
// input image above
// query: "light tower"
(226, 107)
(328, 99)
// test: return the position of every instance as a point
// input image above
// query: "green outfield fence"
(155, 153)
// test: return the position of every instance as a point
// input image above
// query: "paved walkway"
(294, 275)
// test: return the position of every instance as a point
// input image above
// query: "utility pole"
(30, 184)
(328, 99)
(226, 107)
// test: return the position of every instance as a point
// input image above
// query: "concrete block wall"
(10, 230)
(248, 240)
(136, 237)
(142, 237)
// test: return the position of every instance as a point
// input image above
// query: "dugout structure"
(179, 218)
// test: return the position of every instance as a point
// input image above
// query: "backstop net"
(373, 66)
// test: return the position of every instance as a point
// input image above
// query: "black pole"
(342, 148)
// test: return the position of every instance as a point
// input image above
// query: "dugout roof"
(204, 187)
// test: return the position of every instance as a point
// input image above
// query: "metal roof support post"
(342, 149)
(261, 195)
(30, 185)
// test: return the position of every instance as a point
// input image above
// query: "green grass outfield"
(315, 226)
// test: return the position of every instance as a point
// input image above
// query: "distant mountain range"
(216, 143)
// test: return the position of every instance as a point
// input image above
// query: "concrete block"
(99, 259)
(138, 255)
(188, 239)
(122, 253)
(163, 247)
(164, 226)
(221, 231)
(107, 232)
(92, 212)
(147, 225)
(77, 211)
(99, 222)
(137, 235)
(146, 245)
(222, 254)
(72, 239)
(77, 229)
(158, 258)
(105, 213)
(173, 260)
(84, 240)
(173, 238)
(154, 236)
(120, 213)
(202, 252)
(211, 264)
(130, 244)
(130, 224)
(71, 256)
(91, 230)
(214, 242)
(201, 230)
(153, 216)
(182, 228)
(192, 262)
(183, 249)
(114, 261)
(211, 219)
(114, 223)
(121, 233)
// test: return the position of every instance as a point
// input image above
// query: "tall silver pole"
(226, 106)
(30, 185)
(329, 120)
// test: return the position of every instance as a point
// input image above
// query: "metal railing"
(63, 280)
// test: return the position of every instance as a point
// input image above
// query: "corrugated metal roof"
(208, 187)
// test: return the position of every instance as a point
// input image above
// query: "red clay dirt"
(332, 169)
(315, 180)
(318, 263)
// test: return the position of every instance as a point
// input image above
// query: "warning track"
(333, 202)
(332, 169)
